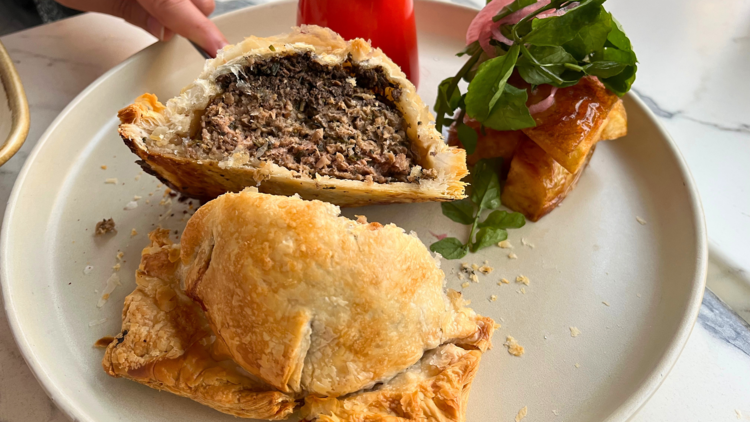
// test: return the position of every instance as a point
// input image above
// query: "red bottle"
(388, 24)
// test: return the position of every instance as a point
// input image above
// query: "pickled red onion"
(482, 28)
(545, 103)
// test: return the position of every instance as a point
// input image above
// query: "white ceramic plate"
(589, 251)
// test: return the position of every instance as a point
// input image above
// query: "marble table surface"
(694, 73)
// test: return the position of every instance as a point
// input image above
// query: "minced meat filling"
(311, 118)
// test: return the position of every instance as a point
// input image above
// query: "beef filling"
(311, 118)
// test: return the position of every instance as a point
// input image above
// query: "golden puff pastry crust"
(315, 303)
(435, 389)
(166, 344)
(154, 132)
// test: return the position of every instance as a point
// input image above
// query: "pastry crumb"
(577, 365)
(505, 244)
(136, 197)
(103, 167)
(465, 266)
(523, 279)
(522, 413)
(605, 303)
(119, 255)
(474, 267)
(574, 332)
(493, 298)
(133, 232)
(474, 278)
(556, 412)
(131, 206)
(97, 322)
(503, 281)
(461, 276)
(107, 225)
(640, 221)
(514, 348)
(512, 256)
(138, 177)
(111, 181)
(465, 284)
(116, 267)
(524, 242)
(485, 269)
(522, 290)
(738, 413)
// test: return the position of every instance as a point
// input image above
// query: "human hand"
(162, 18)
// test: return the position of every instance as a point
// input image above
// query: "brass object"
(19, 107)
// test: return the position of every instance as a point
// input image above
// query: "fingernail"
(215, 44)
(155, 28)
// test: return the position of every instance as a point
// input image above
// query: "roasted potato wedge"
(574, 123)
(536, 182)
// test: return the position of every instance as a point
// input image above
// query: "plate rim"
(624, 412)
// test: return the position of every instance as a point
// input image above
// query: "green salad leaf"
(582, 39)
(485, 195)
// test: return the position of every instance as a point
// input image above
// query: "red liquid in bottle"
(388, 24)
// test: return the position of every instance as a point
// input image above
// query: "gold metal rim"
(19, 107)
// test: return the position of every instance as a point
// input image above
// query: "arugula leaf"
(558, 30)
(487, 237)
(618, 38)
(621, 83)
(489, 83)
(510, 112)
(591, 38)
(604, 69)
(485, 186)
(468, 137)
(449, 105)
(552, 58)
(505, 71)
(515, 6)
(459, 211)
(450, 248)
(504, 220)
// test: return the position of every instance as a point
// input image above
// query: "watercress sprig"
(557, 50)
(485, 195)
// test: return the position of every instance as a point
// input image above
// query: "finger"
(205, 6)
(184, 18)
(129, 10)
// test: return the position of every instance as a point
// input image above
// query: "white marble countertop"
(694, 66)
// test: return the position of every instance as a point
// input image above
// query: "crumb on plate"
(503, 281)
(505, 244)
(640, 221)
(111, 181)
(512, 256)
(605, 303)
(522, 413)
(493, 298)
(107, 225)
(523, 279)
(133, 232)
(574, 332)
(514, 348)
(103, 167)
(465, 284)
(486, 269)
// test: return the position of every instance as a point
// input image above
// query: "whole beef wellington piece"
(273, 303)
(303, 113)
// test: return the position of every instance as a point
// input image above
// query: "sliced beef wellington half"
(303, 113)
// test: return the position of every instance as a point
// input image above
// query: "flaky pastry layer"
(155, 131)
